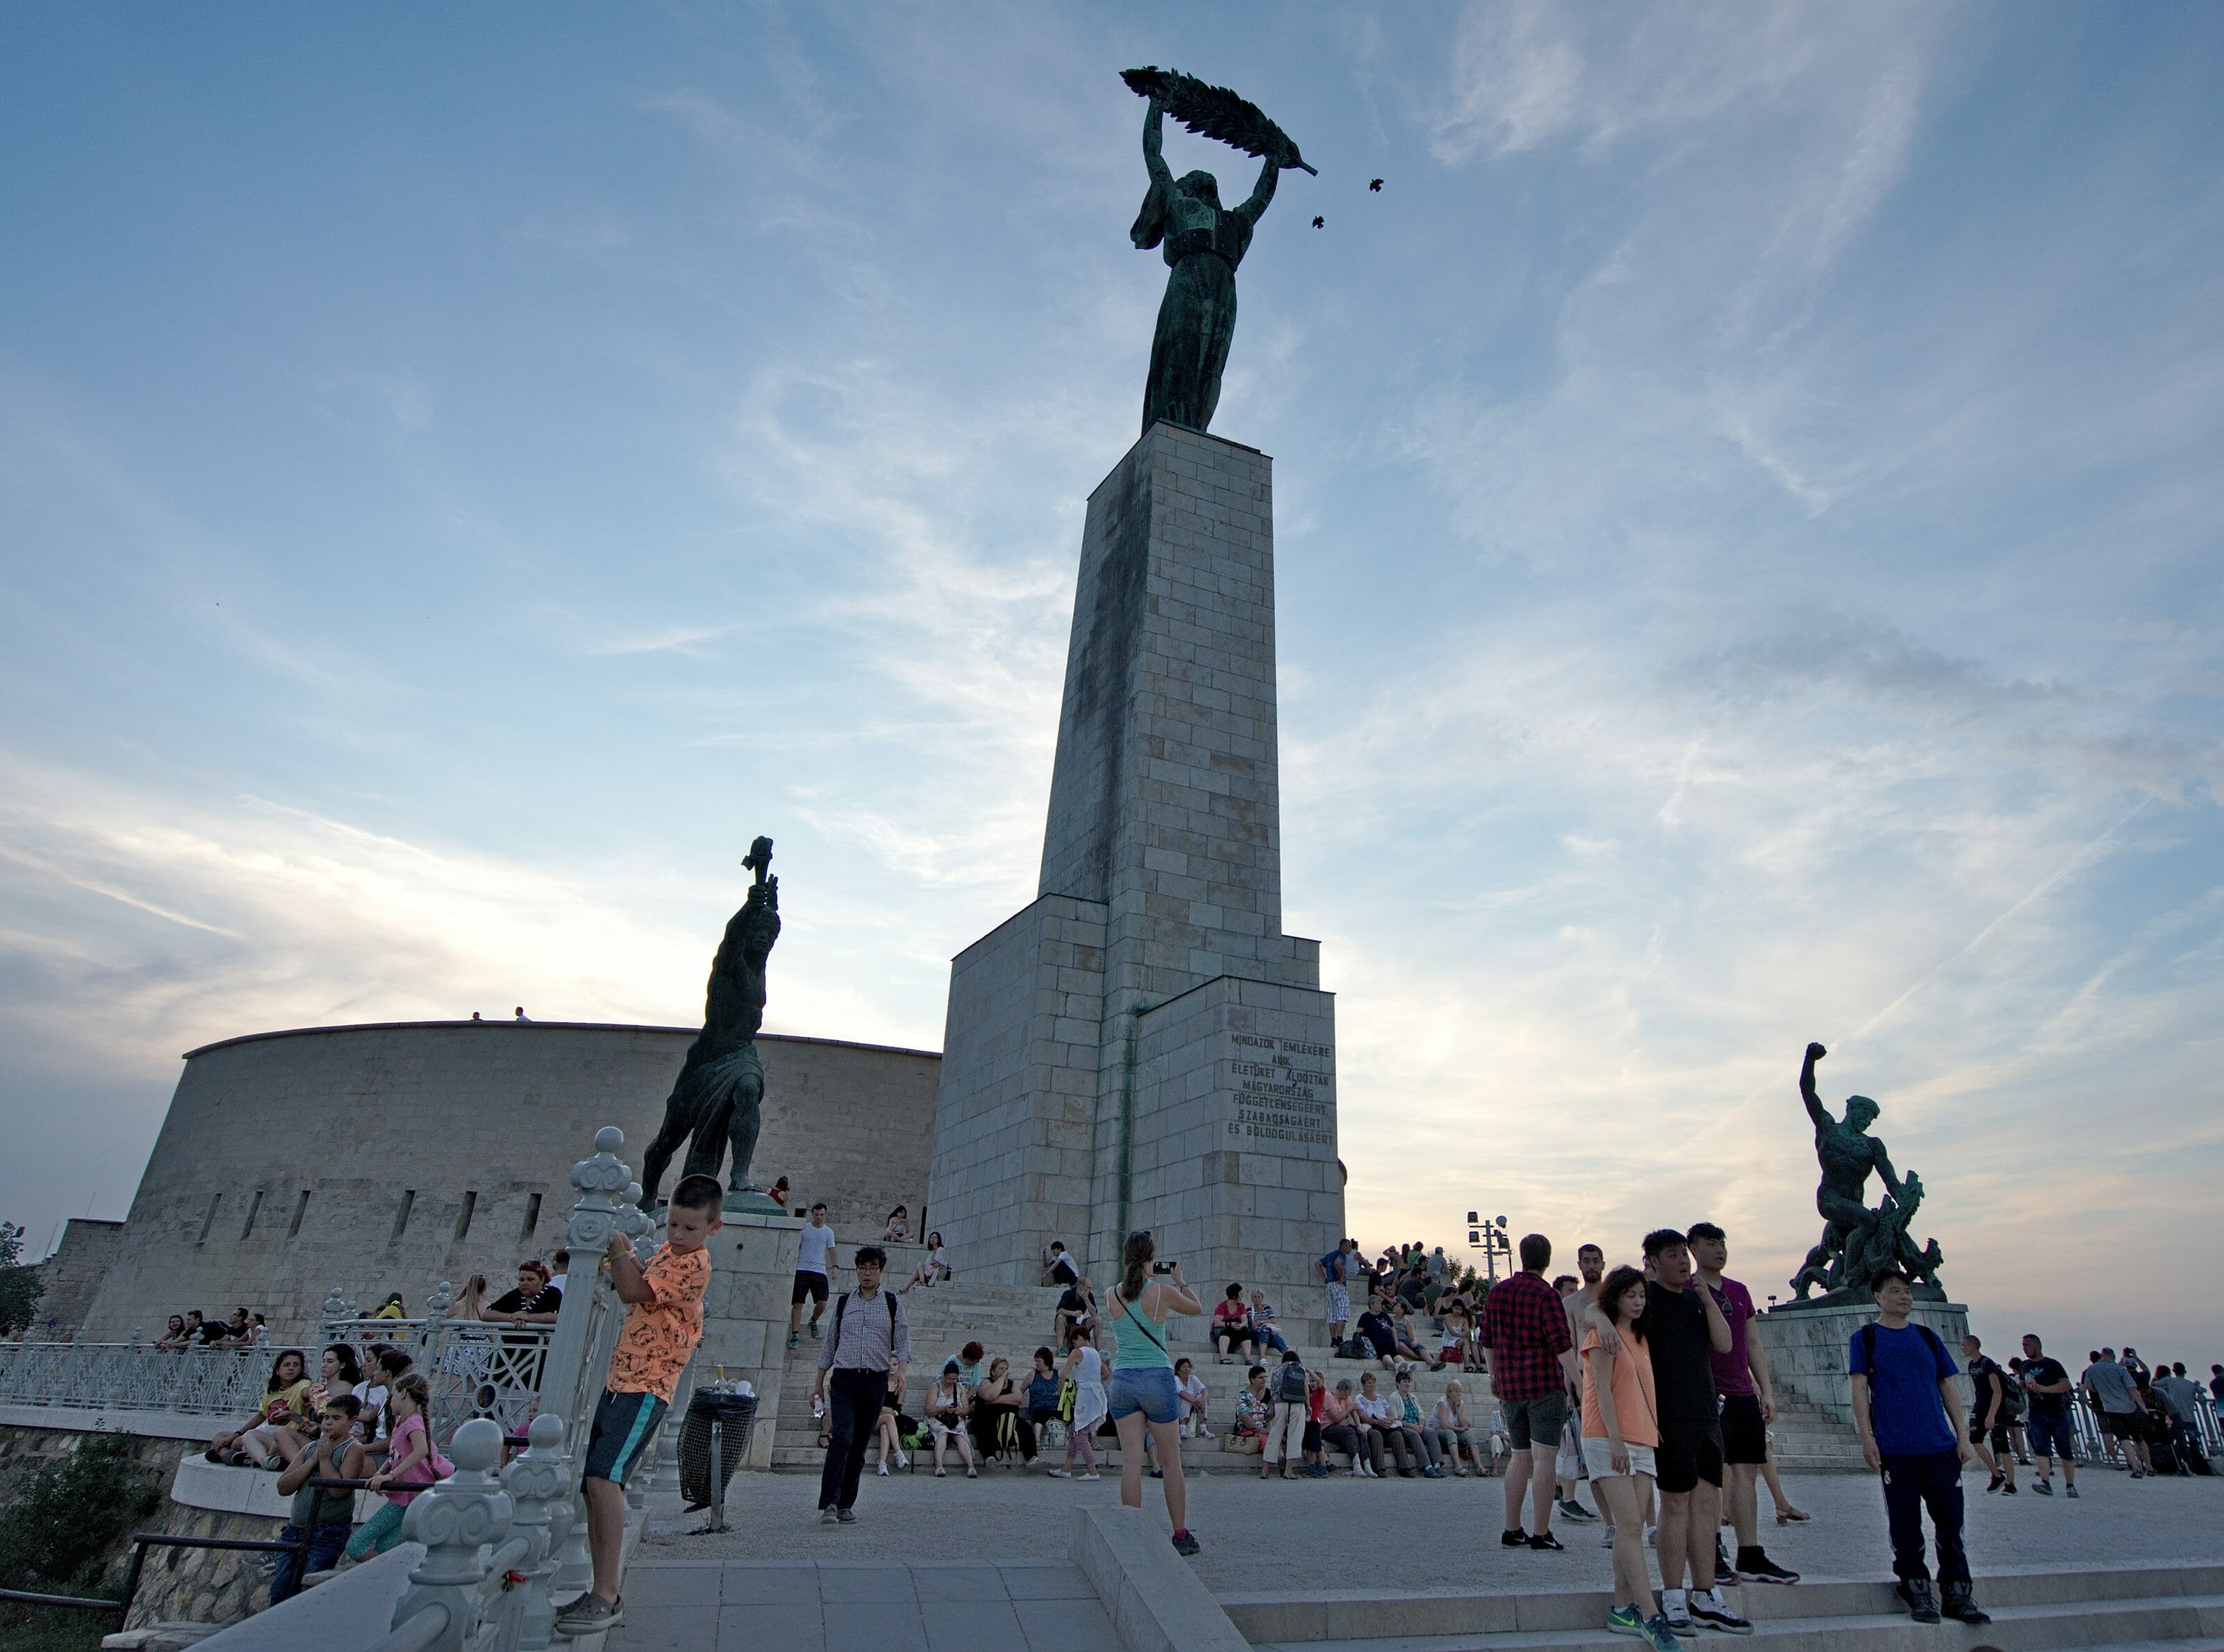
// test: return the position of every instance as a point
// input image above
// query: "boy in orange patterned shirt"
(664, 1321)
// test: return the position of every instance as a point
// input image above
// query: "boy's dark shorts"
(624, 1424)
(1745, 1436)
(808, 1284)
(1997, 1435)
(1690, 1450)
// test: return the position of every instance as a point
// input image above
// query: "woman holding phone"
(1141, 1391)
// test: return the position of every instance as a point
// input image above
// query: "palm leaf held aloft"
(1216, 112)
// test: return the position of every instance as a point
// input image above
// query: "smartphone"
(1162, 1266)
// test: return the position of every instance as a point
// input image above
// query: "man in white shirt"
(561, 1260)
(815, 1266)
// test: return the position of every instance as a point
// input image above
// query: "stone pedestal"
(1142, 1046)
(1807, 1343)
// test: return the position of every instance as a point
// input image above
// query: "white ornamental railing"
(499, 1553)
(134, 1375)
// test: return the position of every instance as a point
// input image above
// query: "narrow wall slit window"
(253, 1209)
(402, 1216)
(209, 1221)
(300, 1209)
(463, 1220)
(531, 1218)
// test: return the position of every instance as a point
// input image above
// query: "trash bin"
(712, 1441)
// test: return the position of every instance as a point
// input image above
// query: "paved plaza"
(1418, 1535)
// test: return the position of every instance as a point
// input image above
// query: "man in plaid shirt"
(1533, 1365)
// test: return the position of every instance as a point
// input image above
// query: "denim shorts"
(1147, 1388)
(2051, 1437)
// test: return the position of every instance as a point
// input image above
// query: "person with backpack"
(871, 1338)
(1908, 1409)
(1285, 1425)
(1988, 1420)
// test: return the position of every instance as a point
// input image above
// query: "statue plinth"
(1809, 1342)
(747, 1201)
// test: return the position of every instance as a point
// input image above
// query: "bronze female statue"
(1202, 241)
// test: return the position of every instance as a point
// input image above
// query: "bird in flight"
(1376, 186)
(1320, 223)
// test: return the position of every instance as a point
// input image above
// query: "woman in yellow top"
(1621, 1428)
(284, 1408)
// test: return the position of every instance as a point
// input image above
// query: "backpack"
(1290, 1385)
(2011, 1400)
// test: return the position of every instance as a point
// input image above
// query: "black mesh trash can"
(712, 1441)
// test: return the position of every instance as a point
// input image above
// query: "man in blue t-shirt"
(1909, 1411)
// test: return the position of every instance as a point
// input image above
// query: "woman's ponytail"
(1135, 1258)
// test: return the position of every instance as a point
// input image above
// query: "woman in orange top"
(1621, 1428)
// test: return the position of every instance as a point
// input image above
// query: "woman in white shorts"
(1621, 1428)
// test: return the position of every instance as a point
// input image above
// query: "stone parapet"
(1807, 1345)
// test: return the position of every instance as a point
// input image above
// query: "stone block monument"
(1143, 1047)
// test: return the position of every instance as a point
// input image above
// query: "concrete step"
(2176, 1605)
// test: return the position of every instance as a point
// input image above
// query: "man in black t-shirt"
(1682, 1327)
(2046, 1418)
(1989, 1421)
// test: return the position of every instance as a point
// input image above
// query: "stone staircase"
(2176, 1607)
(1014, 1321)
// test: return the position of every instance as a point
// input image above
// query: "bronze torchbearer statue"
(717, 1101)
(1203, 241)
(1857, 1241)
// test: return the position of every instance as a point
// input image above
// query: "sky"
(1747, 500)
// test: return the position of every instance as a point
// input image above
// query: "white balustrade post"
(454, 1520)
(538, 1481)
(580, 1339)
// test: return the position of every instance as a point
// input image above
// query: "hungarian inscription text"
(1283, 1088)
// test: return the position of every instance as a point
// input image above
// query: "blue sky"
(1748, 509)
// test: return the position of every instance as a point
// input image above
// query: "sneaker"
(1915, 1594)
(2069, 1491)
(792, 1339)
(1960, 1606)
(1764, 1570)
(1184, 1544)
(1356, 1474)
(1724, 1572)
(590, 1615)
(2044, 1488)
(1675, 1613)
(1625, 1620)
(1059, 1474)
(1660, 1635)
(1606, 1539)
(1575, 1511)
(2009, 1490)
(1545, 1539)
(847, 1516)
(1707, 1608)
(902, 1460)
(1084, 1477)
(827, 1516)
(884, 1470)
(814, 1330)
(1513, 1540)
(972, 1473)
(1998, 1480)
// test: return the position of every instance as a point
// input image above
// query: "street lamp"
(1489, 1238)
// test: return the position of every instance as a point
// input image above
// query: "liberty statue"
(1202, 241)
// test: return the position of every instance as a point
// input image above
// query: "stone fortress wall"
(389, 1157)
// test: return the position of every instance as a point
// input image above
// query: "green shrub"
(62, 1527)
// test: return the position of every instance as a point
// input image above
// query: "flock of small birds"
(1375, 185)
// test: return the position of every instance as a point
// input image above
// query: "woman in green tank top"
(1141, 1390)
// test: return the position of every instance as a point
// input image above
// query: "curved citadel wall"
(386, 1158)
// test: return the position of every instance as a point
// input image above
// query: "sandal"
(1785, 1516)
